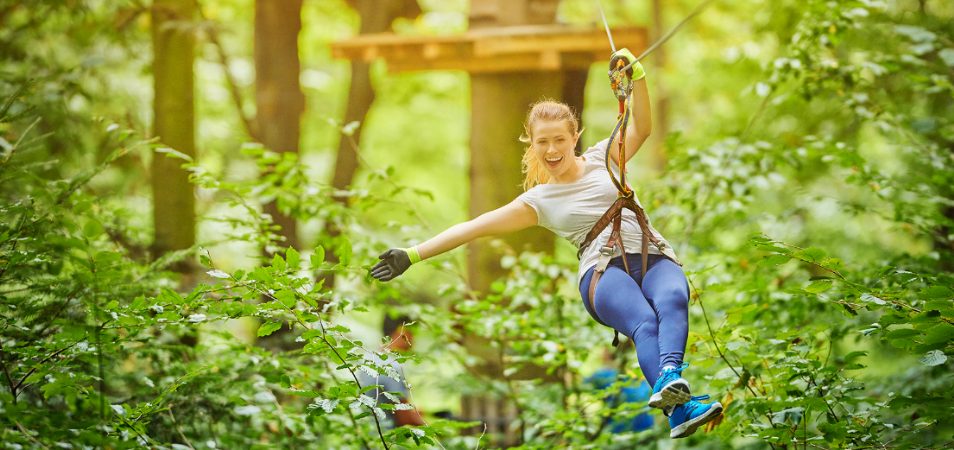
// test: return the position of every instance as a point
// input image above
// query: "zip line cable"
(695, 12)
(606, 25)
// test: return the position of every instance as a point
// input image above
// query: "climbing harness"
(621, 82)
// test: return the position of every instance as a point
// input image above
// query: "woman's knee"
(620, 303)
(646, 328)
(672, 296)
(667, 286)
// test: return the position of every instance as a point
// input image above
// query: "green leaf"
(774, 260)
(169, 296)
(947, 55)
(92, 229)
(902, 334)
(287, 298)
(770, 246)
(344, 252)
(311, 334)
(933, 358)
(818, 286)
(945, 307)
(172, 153)
(735, 345)
(872, 299)
(268, 328)
(854, 355)
(292, 257)
(138, 303)
(813, 254)
(278, 263)
(937, 292)
(216, 273)
(317, 257)
(939, 334)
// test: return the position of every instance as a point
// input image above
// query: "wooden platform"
(493, 50)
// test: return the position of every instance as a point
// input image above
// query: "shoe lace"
(678, 369)
(694, 404)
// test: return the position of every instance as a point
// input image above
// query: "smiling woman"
(554, 130)
(569, 195)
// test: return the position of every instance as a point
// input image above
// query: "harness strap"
(606, 253)
(613, 215)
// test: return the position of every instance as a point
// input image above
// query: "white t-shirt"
(570, 210)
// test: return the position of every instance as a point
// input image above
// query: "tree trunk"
(174, 125)
(278, 95)
(574, 87)
(500, 103)
(376, 17)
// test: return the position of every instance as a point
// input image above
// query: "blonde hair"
(551, 110)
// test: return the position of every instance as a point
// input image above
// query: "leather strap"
(614, 215)
(606, 253)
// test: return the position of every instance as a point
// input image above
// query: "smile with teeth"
(554, 160)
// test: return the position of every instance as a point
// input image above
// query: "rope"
(606, 25)
(616, 77)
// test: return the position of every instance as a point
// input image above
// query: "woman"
(567, 194)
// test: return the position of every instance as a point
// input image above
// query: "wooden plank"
(593, 40)
(541, 62)
(488, 50)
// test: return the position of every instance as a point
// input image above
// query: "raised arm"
(641, 122)
(511, 217)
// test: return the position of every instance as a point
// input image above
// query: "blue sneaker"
(686, 418)
(671, 389)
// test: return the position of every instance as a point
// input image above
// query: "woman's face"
(553, 144)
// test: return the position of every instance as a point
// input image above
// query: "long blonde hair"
(546, 109)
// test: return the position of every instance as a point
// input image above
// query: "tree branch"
(6, 373)
(234, 91)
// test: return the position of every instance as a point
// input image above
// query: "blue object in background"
(632, 392)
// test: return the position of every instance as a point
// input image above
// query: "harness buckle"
(607, 250)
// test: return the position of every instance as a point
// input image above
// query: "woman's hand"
(635, 71)
(393, 263)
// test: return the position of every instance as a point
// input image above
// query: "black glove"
(393, 263)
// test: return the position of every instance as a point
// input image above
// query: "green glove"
(635, 72)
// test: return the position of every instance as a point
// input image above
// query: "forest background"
(805, 176)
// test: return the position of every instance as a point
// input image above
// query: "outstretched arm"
(511, 217)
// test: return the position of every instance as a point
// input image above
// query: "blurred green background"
(802, 166)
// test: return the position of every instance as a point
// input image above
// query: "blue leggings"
(655, 317)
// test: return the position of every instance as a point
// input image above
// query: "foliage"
(816, 224)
